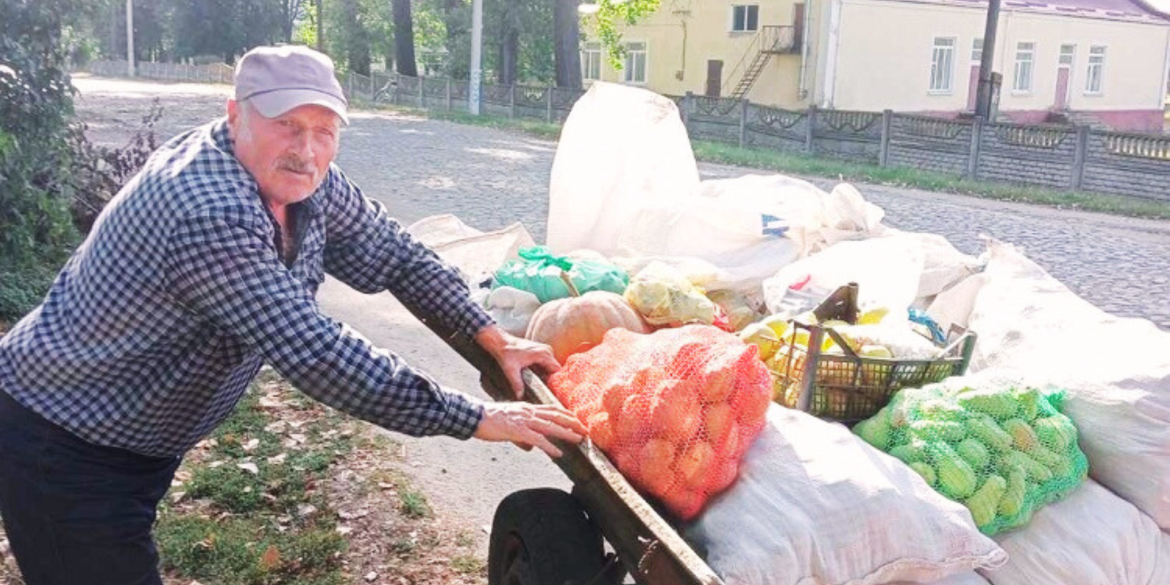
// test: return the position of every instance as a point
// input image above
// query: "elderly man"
(201, 269)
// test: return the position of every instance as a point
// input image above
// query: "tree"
(404, 39)
(509, 43)
(356, 38)
(567, 43)
(36, 185)
(290, 12)
(609, 14)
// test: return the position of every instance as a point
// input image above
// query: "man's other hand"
(514, 354)
(529, 425)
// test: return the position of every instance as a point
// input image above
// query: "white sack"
(814, 504)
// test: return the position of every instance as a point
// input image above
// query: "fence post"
(809, 132)
(976, 146)
(512, 101)
(887, 125)
(743, 118)
(548, 95)
(422, 96)
(448, 94)
(686, 110)
(1078, 169)
(349, 83)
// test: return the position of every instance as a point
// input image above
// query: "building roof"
(1124, 10)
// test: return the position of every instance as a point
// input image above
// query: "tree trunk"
(357, 45)
(404, 39)
(567, 43)
(320, 16)
(509, 67)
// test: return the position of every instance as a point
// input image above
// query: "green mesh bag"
(1003, 451)
(539, 272)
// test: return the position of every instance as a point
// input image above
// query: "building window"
(1025, 62)
(942, 65)
(591, 62)
(1068, 55)
(977, 51)
(1096, 72)
(635, 69)
(745, 18)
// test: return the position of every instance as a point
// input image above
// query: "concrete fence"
(1059, 157)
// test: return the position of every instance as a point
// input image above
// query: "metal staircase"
(771, 40)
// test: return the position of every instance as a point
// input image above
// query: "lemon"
(762, 337)
(777, 323)
(876, 351)
(873, 316)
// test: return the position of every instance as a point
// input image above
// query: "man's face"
(287, 155)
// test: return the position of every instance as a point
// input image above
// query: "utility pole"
(473, 97)
(130, 37)
(986, 63)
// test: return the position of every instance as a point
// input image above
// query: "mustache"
(296, 165)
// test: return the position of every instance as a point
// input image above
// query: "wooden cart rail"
(649, 547)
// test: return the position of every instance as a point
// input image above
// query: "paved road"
(492, 178)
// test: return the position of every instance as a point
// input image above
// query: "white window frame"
(948, 85)
(590, 55)
(977, 51)
(628, 69)
(1100, 66)
(731, 25)
(1072, 63)
(1016, 87)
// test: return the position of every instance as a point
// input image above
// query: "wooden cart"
(549, 537)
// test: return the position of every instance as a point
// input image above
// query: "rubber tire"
(543, 537)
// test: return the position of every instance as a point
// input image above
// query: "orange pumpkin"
(576, 324)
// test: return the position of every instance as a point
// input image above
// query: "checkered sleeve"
(223, 267)
(371, 252)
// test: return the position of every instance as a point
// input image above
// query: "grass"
(468, 564)
(412, 502)
(237, 527)
(800, 164)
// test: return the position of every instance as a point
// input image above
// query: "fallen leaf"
(371, 576)
(344, 530)
(271, 401)
(270, 559)
(183, 475)
(251, 445)
(306, 510)
(276, 427)
(177, 496)
(277, 459)
(298, 437)
(214, 464)
(249, 467)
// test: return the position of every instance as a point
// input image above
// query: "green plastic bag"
(539, 272)
(1002, 450)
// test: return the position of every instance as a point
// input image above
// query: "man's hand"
(515, 353)
(529, 424)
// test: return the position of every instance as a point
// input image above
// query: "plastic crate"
(849, 388)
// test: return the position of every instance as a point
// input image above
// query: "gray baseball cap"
(277, 79)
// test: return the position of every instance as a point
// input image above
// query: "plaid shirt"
(157, 324)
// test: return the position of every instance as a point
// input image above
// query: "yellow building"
(1087, 61)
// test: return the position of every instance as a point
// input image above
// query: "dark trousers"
(74, 512)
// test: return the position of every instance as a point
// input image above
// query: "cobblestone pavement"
(491, 178)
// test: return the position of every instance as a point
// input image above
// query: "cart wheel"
(543, 537)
